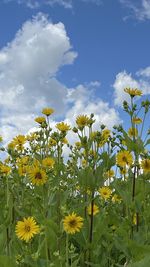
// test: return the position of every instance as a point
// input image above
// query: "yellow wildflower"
(145, 164)
(63, 127)
(72, 223)
(40, 120)
(48, 162)
(95, 209)
(105, 192)
(133, 92)
(47, 111)
(26, 229)
(124, 158)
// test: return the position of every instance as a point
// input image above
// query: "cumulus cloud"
(29, 65)
(123, 80)
(140, 9)
(28, 69)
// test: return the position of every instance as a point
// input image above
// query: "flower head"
(40, 120)
(72, 223)
(133, 132)
(19, 141)
(37, 175)
(133, 92)
(47, 111)
(136, 120)
(124, 158)
(48, 162)
(63, 127)
(95, 209)
(105, 192)
(26, 229)
(145, 164)
(82, 121)
(5, 169)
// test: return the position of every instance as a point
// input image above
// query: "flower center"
(72, 223)
(27, 228)
(38, 176)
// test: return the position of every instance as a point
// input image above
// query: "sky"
(75, 56)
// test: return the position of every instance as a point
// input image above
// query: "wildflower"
(48, 162)
(52, 142)
(136, 120)
(124, 158)
(145, 164)
(105, 192)
(26, 229)
(40, 120)
(65, 141)
(78, 144)
(133, 132)
(19, 141)
(110, 173)
(37, 175)
(95, 209)
(63, 127)
(5, 169)
(82, 121)
(106, 133)
(72, 223)
(1, 139)
(47, 111)
(133, 92)
(116, 198)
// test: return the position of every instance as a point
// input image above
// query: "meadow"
(92, 209)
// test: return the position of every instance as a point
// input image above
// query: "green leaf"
(6, 261)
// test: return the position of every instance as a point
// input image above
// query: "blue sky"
(89, 49)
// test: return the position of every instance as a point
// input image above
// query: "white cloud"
(144, 72)
(29, 65)
(124, 80)
(28, 69)
(37, 3)
(139, 9)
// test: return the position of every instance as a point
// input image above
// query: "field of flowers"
(92, 209)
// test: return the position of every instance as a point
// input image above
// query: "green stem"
(67, 250)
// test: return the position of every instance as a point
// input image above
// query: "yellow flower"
(37, 175)
(78, 144)
(40, 120)
(133, 132)
(82, 121)
(145, 164)
(123, 171)
(47, 111)
(136, 120)
(105, 192)
(26, 229)
(133, 92)
(52, 142)
(72, 223)
(63, 127)
(116, 198)
(22, 170)
(95, 209)
(124, 158)
(110, 173)
(5, 169)
(65, 141)
(48, 162)
(106, 133)
(19, 141)
(1, 139)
